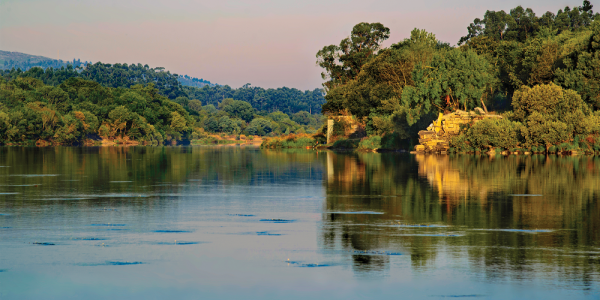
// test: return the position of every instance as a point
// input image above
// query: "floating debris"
(43, 244)
(267, 233)
(276, 220)
(240, 215)
(3, 270)
(356, 212)
(108, 224)
(5, 227)
(4, 214)
(171, 231)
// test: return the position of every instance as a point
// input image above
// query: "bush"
(290, 141)
(370, 143)
(346, 144)
(494, 133)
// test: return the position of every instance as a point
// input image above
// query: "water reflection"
(362, 215)
(473, 212)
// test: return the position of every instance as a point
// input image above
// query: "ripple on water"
(458, 296)
(123, 181)
(356, 212)
(434, 234)
(108, 224)
(276, 220)
(372, 252)
(43, 243)
(170, 231)
(526, 195)
(308, 265)
(179, 243)
(111, 263)
(518, 230)
(267, 233)
(63, 199)
(123, 263)
(9, 193)
(34, 175)
(421, 225)
(240, 215)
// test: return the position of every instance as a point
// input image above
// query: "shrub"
(370, 143)
(346, 144)
(289, 141)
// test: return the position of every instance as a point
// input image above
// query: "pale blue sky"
(266, 43)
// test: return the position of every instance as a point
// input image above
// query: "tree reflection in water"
(507, 218)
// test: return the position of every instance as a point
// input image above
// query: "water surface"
(236, 222)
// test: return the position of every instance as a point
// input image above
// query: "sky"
(266, 43)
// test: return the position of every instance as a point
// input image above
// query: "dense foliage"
(287, 100)
(507, 61)
(78, 109)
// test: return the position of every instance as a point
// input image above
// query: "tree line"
(81, 111)
(513, 63)
(286, 100)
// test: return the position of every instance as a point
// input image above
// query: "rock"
(438, 134)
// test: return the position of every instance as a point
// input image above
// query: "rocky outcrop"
(436, 139)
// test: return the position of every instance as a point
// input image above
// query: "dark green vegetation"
(287, 100)
(70, 105)
(78, 110)
(541, 72)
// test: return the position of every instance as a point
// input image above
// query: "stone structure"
(436, 139)
(350, 126)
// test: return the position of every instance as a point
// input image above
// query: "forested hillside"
(83, 111)
(17, 60)
(513, 63)
(287, 100)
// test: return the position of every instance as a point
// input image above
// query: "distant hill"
(173, 86)
(23, 61)
(195, 82)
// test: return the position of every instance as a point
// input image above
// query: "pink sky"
(265, 43)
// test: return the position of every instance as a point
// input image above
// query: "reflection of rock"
(446, 179)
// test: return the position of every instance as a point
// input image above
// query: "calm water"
(231, 222)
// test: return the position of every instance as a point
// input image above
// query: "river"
(241, 222)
